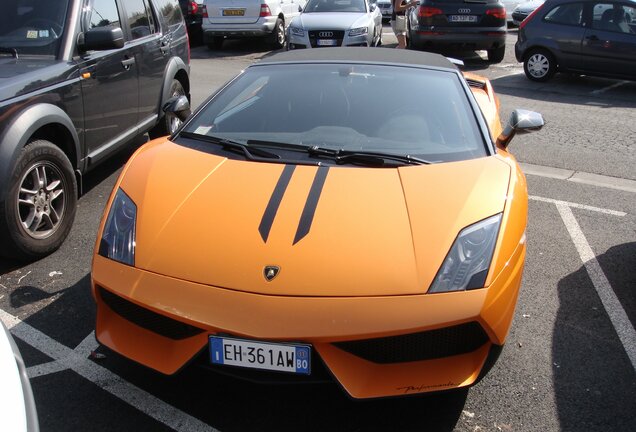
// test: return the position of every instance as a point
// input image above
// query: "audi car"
(320, 225)
(334, 23)
(459, 24)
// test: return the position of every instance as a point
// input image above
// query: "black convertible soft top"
(363, 55)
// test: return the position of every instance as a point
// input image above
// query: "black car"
(593, 37)
(193, 15)
(79, 79)
(459, 24)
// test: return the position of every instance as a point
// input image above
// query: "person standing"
(398, 20)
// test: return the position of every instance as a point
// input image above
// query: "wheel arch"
(41, 121)
(176, 69)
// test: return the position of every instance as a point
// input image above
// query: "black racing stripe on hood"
(312, 202)
(274, 201)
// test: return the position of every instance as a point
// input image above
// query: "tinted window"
(140, 18)
(614, 17)
(104, 14)
(170, 10)
(569, 14)
(357, 107)
(32, 26)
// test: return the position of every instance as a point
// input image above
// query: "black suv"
(459, 24)
(79, 79)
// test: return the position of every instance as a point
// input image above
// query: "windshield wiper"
(12, 51)
(244, 149)
(366, 157)
(346, 156)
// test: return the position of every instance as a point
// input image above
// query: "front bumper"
(482, 39)
(309, 41)
(261, 28)
(338, 328)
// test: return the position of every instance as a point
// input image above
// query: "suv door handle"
(592, 38)
(127, 63)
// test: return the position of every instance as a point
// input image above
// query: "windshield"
(371, 108)
(335, 6)
(32, 26)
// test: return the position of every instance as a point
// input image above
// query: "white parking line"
(107, 380)
(612, 305)
(578, 206)
(610, 87)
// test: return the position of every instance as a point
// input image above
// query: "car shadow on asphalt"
(570, 89)
(594, 381)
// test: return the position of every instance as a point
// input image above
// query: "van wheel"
(539, 65)
(40, 204)
(169, 123)
(278, 35)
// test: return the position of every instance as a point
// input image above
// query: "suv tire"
(278, 35)
(539, 65)
(42, 195)
(217, 43)
(169, 123)
(496, 55)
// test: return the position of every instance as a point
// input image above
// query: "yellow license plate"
(233, 12)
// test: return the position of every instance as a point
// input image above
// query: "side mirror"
(101, 39)
(179, 106)
(521, 121)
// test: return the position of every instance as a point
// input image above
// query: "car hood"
(12, 409)
(336, 231)
(29, 74)
(331, 20)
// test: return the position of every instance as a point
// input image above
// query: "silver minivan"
(233, 19)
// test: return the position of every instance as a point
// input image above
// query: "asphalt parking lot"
(570, 360)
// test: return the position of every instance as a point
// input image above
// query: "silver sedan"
(329, 23)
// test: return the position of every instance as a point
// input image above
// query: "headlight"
(118, 239)
(466, 265)
(358, 31)
(297, 31)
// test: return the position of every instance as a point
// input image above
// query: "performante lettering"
(420, 388)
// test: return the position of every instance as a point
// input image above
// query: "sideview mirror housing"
(179, 106)
(102, 39)
(520, 121)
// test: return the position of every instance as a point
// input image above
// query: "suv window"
(171, 11)
(32, 26)
(140, 18)
(568, 14)
(104, 14)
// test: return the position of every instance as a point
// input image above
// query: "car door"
(151, 49)
(564, 26)
(110, 88)
(609, 44)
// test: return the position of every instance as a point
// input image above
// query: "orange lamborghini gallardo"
(341, 214)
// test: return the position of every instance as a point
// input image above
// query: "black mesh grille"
(316, 35)
(147, 319)
(444, 342)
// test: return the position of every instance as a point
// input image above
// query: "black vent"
(316, 35)
(147, 319)
(444, 342)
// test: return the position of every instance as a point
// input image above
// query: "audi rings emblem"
(327, 34)
(463, 10)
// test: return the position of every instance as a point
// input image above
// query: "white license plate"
(326, 42)
(261, 355)
(462, 18)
